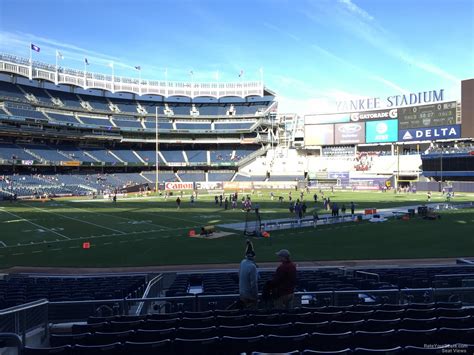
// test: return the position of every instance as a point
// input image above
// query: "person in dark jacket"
(284, 281)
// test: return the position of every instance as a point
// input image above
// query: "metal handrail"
(23, 307)
(147, 291)
(377, 276)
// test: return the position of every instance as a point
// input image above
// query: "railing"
(156, 281)
(24, 318)
(367, 275)
(87, 80)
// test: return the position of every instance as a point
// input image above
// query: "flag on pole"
(241, 74)
(138, 67)
(35, 48)
(191, 72)
(86, 61)
(111, 64)
(59, 55)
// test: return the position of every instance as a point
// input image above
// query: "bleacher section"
(102, 155)
(127, 122)
(45, 152)
(96, 102)
(173, 156)
(192, 176)
(233, 125)
(104, 122)
(163, 176)
(20, 289)
(24, 111)
(59, 117)
(38, 93)
(335, 311)
(197, 156)
(219, 176)
(68, 99)
(10, 91)
(12, 151)
(193, 126)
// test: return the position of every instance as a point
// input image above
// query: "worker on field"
(178, 202)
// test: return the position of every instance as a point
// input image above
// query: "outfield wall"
(458, 186)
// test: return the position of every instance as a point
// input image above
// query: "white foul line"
(35, 224)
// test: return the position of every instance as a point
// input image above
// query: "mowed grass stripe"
(76, 219)
(114, 215)
(35, 224)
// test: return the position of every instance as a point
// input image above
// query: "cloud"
(361, 24)
(356, 10)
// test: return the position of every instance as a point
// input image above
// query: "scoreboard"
(414, 123)
(442, 114)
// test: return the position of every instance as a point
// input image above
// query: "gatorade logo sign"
(430, 133)
(375, 115)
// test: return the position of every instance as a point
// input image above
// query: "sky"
(311, 52)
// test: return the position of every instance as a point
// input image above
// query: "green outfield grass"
(151, 231)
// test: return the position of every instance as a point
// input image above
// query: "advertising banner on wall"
(349, 133)
(442, 114)
(210, 185)
(237, 185)
(322, 134)
(374, 115)
(179, 185)
(381, 131)
(429, 133)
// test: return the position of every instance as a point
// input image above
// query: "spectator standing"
(284, 281)
(248, 276)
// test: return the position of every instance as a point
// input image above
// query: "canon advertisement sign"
(179, 186)
(350, 133)
(374, 115)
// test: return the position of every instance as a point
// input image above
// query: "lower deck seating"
(324, 330)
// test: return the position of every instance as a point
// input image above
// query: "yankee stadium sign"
(374, 103)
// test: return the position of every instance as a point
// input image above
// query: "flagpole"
(166, 82)
(192, 84)
(156, 149)
(31, 61)
(140, 81)
(56, 68)
(85, 73)
(113, 82)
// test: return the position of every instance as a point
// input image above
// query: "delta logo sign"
(430, 133)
